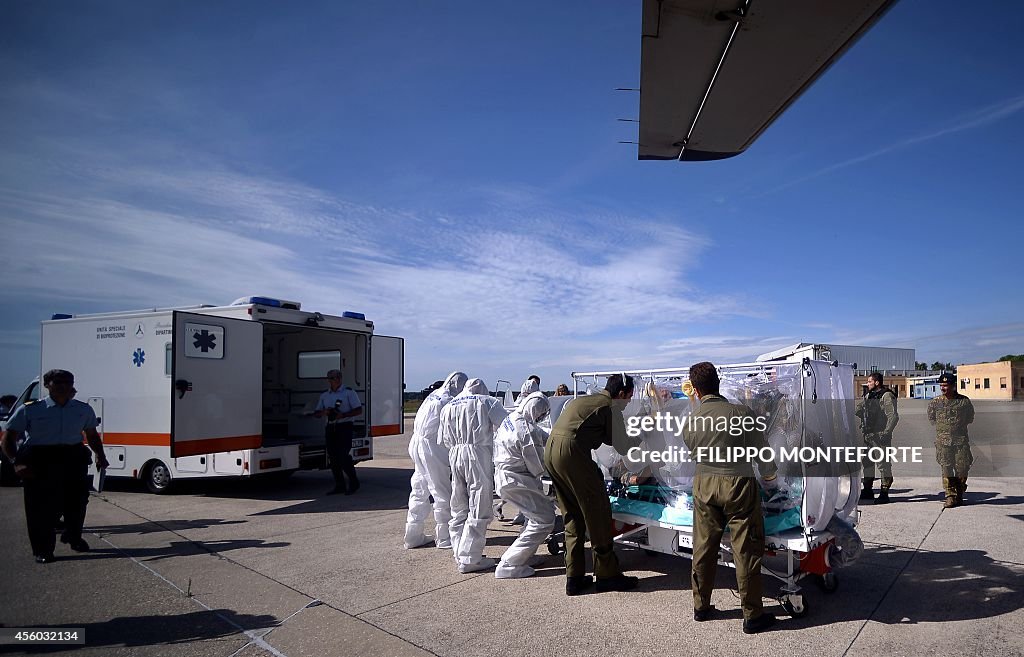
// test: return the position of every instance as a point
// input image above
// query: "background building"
(1001, 380)
(896, 365)
(877, 359)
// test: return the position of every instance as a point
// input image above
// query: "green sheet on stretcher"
(682, 513)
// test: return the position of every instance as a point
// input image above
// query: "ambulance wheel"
(157, 477)
(827, 582)
(794, 605)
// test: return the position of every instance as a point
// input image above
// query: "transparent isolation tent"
(804, 405)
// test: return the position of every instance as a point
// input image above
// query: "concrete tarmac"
(249, 568)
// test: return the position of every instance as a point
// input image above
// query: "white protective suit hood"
(529, 387)
(475, 387)
(535, 407)
(454, 383)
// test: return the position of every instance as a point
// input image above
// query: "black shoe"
(701, 615)
(883, 497)
(335, 491)
(577, 585)
(78, 544)
(353, 488)
(44, 558)
(761, 623)
(619, 583)
(867, 495)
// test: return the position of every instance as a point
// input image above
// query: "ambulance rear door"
(217, 384)
(387, 378)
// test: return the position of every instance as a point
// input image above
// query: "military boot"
(883, 494)
(867, 493)
(962, 489)
(952, 486)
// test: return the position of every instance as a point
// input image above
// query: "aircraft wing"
(715, 73)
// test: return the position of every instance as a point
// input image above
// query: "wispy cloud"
(968, 121)
(479, 291)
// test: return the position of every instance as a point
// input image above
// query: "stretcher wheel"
(827, 582)
(794, 605)
(554, 546)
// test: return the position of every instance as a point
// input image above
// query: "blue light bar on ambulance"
(352, 315)
(61, 316)
(268, 301)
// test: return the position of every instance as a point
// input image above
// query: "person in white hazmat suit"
(467, 429)
(432, 474)
(518, 465)
(530, 386)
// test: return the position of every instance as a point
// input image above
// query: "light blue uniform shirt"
(47, 423)
(349, 402)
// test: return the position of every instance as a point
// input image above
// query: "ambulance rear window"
(315, 364)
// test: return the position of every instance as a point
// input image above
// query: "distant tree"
(1016, 358)
(937, 365)
(920, 366)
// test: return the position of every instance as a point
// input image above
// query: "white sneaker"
(445, 545)
(485, 563)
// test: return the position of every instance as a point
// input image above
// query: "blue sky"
(452, 171)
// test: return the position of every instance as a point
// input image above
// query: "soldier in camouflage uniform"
(950, 413)
(878, 418)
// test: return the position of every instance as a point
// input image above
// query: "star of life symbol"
(139, 357)
(204, 341)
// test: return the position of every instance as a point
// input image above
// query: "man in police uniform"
(584, 425)
(950, 413)
(878, 418)
(54, 463)
(340, 405)
(726, 493)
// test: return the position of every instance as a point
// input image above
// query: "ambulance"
(223, 391)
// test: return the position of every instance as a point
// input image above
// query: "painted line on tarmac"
(254, 638)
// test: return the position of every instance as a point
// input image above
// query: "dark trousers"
(338, 437)
(59, 485)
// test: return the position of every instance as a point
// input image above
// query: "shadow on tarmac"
(971, 498)
(381, 489)
(174, 549)
(136, 631)
(163, 525)
(961, 585)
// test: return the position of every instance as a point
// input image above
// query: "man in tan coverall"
(726, 493)
(584, 425)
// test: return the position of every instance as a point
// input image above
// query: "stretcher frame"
(805, 552)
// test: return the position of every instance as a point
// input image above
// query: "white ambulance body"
(223, 391)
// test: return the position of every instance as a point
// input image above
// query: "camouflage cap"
(946, 377)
